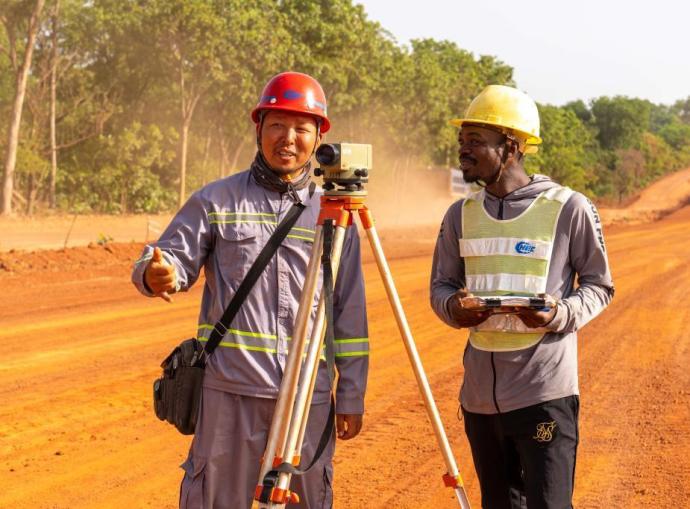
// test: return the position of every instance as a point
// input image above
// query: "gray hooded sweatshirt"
(496, 382)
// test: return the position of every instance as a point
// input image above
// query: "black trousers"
(525, 459)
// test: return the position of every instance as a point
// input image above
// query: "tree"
(54, 18)
(432, 84)
(581, 110)
(334, 41)
(20, 14)
(677, 135)
(620, 121)
(569, 150)
(190, 38)
(126, 172)
(682, 109)
(659, 158)
(257, 47)
(112, 84)
(64, 107)
(660, 116)
(630, 169)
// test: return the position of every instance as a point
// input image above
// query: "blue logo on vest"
(524, 247)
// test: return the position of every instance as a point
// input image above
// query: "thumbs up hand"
(160, 276)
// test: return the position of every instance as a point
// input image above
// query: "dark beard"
(470, 180)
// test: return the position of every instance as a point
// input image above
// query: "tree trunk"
(238, 151)
(17, 107)
(53, 100)
(224, 158)
(188, 102)
(204, 162)
(29, 194)
(183, 160)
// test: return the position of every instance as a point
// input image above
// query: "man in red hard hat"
(222, 228)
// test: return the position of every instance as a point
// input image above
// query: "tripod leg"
(288, 428)
(309, 372)
(452, 478)
(286, 395)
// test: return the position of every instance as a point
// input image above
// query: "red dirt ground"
(82, 348)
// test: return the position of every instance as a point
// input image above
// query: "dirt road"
(57, 231)
(81, 348)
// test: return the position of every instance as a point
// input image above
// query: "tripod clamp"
(269, 492)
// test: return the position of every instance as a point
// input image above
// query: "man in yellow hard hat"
(530, 239)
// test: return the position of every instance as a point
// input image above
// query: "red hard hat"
(296, 92)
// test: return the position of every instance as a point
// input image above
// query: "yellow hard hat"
(507, 108)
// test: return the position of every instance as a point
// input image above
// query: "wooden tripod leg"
(309, 372)
(282, 414)
(452, 477)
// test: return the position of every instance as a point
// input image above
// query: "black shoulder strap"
(250, 279)
(328, 285)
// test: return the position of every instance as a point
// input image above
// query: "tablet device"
(506, 301)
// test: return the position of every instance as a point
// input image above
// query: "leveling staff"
(222, 228)
(520, 235)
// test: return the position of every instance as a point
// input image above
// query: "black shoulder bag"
(177, 393)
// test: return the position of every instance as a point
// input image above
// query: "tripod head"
(345, 168)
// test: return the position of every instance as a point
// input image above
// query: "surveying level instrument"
(345, 168)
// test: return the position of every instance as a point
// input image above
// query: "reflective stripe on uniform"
(302, 234)
(244, 340)
(242, 217)
(510, 284)
(506, 246)
(262, 342)
(269, 218)
(352, 347)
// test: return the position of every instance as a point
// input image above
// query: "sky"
(561, 51)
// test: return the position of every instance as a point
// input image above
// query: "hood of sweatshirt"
(514, 203)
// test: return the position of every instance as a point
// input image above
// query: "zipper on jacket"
(493, 390)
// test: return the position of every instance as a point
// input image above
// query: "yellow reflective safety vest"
(509, 257)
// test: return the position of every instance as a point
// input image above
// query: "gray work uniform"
(222, 228)
(496, 382)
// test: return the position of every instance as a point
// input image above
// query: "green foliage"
(140, 80)
(447, 78)
(659, 158)
(581, 111)
(629, 172)
(128, 167)
(334, 40)
(620, 121)
(569, 150)
(677, 135)
(682, 109)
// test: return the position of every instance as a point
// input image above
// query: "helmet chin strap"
(499, 171)
(258, 141)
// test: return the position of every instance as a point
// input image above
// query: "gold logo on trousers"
(545, 431)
